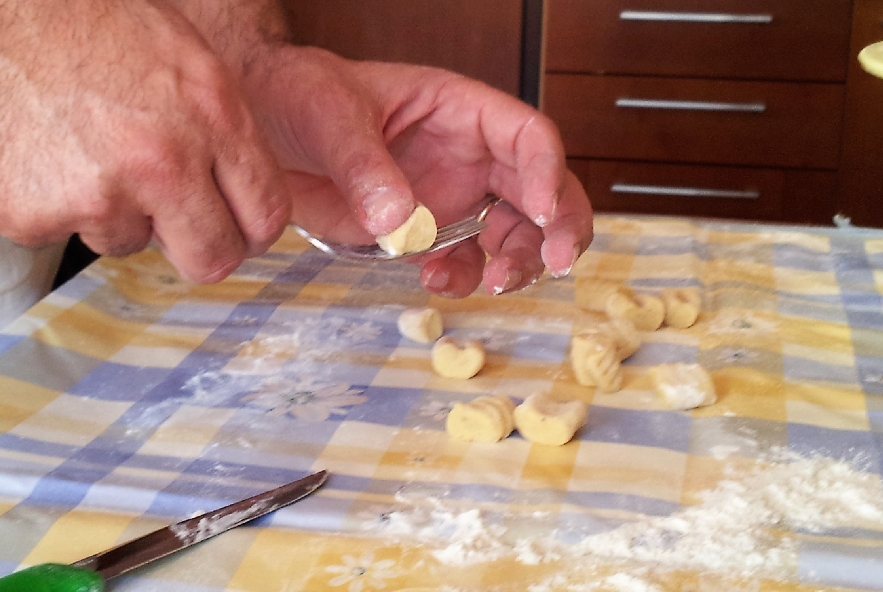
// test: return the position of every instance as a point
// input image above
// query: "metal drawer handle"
(694, 17)
(690, 105)
(682, 191)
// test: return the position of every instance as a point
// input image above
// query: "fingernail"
(542, 220)
(513, 278)
(563, 272)
(437, 280)
(385, 210)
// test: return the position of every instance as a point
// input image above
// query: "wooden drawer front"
(803, 40)
(709, 191)
(699, 121)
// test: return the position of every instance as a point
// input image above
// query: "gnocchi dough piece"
(683, 386)
(682, 306)
(625, 335)
(622, 331)
(455, 359)
(505, 406)
(645, 311)
(543, 420)
(488, 418)
(416, 234)
(423, 325)
(592, 293)
(595, 361)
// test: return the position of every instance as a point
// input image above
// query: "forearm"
(238, 31)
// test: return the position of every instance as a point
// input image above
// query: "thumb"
(361, 166)
(332, 126)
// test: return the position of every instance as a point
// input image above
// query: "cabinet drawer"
(709, 191)
(756, 39)
(697, 121)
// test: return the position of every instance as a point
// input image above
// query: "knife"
(89, 574)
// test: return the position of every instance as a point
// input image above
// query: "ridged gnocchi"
(592, 294)
(595, 361)
(682, 306)
(488, 418)
(644, 310)
(544, 420)
(626, 338)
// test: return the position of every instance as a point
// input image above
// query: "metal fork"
(447, 236)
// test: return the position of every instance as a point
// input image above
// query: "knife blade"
(90, 573)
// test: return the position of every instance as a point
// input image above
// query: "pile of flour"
(741, 529)
(734, 529)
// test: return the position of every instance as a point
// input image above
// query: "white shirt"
(26, 276)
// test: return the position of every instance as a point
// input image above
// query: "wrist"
(240, 32)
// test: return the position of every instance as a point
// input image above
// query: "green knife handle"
(52, 577)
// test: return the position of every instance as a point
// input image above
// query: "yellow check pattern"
(130, 399)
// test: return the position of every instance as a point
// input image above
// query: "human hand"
(360, 141)
(120, 124)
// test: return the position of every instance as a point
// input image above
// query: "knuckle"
(264, 231)
(539, 130)
(207, 69)
(97, 210)
(126, 244)
(213, 95)
(111, 228)
(160, 158)
(219, 253)
(366, 171)
(215, 269)
(545, 125)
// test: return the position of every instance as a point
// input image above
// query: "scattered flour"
(722, 451)
(746, 528)
(197, 530)
(619, 582)
(459, 538)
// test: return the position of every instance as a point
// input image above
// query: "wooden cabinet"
(697, 120)
(481, 39)
(751, 109)
(748, 39)
(861, 173)
(734, 108)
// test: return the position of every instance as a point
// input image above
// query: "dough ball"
(592, 294)
(543, 420)
(682, 306)
(683, 386)
(416, 234)
(646, 312)
(595, 361)
(423, 325)
(455, 359)
(485, 419)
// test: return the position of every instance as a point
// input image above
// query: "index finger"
(528, 167)
(570, 231)
(251, 182)
(530, 170)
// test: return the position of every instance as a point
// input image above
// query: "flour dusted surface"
(746, 529)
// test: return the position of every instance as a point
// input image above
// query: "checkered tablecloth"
(130, 399)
